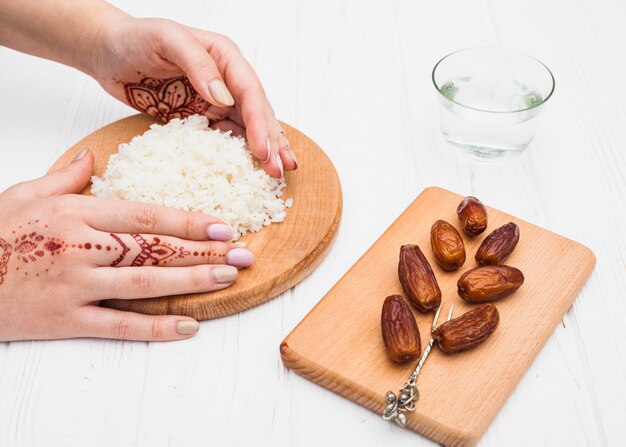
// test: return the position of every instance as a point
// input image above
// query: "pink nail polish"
(219, 232)
(293, 157)
(239, 257)
(269, 151)
(279, 162)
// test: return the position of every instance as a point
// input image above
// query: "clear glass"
(491, 98)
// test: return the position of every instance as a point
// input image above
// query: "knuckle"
(198, 279)
(143, 283)
(254, 93)
(21, 188)
(123, 328)
(202, 62)
(61, 207)
(226, 41)
(156, 329)
(162, 29)
(146, 218)
(215, 250)
(191, 226)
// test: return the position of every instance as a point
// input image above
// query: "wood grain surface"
(284, 252)
(339, 345)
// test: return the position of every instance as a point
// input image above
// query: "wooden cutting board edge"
(374, 401)
(234, 303)
(246, 299)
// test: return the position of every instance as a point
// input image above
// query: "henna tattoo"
(27, 247)
(5, 254)
(155, 251)
(165, 99)
(125, 250)
(33, 246)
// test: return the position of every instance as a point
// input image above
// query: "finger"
(228, 125)
(101, 322)
(290, 162)
(123, 250)
(70, 180)
(119, 216)
(257, 126)
(214, 113)
(246, 89)
(188, 53)
(274, 166)
(149, 282)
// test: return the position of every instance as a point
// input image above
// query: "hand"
(61, 253)
(170, 71)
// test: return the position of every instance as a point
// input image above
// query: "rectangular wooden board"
(339, 344)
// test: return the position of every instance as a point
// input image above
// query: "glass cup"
(491, 98)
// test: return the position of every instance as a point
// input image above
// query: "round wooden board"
(285, 253)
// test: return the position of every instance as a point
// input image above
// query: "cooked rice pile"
(186, 165)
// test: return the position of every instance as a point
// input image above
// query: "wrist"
(85, 56)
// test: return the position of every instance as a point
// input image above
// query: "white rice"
(186, 165)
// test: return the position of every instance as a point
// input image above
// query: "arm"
(64, 31)
(158, 67)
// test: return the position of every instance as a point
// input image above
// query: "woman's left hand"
(169, 70)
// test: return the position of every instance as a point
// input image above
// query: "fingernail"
(187, 327)
(224, 275)
(220, 93)
(269, 151)
(219, 232)
(80, 154)
(279, 162)
(239, 257)
(293, 157)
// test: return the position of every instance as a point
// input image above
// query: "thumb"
(188, 53)
(70, 180)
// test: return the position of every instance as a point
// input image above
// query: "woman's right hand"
(169, 70)
(62, 253)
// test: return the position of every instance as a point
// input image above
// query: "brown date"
(447, 245)
(498, 245)
(489, 283)
(400, 332)
(467, 331)
(417, 279)
(472, 215)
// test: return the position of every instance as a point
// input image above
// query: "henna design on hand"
(155, 251)
(125, 250)
(165, 99)
(5, 254)
(27, 247)
(33, 246)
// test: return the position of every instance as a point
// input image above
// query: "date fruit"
(447, 245)
(400, 332)
(467, 331)
(489, 283)
(472, 215)
(417, 279)
(498, 245)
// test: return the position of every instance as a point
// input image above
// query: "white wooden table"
(355, 77)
